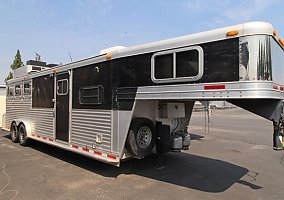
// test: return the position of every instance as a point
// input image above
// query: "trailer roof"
(245, 29)
(249, 28)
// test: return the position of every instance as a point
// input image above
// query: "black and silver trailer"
(130, 102)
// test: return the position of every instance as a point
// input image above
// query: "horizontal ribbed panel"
(87, 124)
(16, 108)
(41, 118)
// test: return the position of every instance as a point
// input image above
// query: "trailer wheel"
(141, 137)
(23, 139)
(14, 132)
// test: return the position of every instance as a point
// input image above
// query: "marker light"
(232, 33)
(53, 69)
(274, 32)
(281, 41)
(108, 57)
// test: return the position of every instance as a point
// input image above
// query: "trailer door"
(62, 107)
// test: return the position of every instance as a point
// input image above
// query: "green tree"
(16, 64)
(10, 76)
(17, 61)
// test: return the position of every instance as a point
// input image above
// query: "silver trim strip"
(233, 90)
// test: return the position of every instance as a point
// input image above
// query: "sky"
(55, 28)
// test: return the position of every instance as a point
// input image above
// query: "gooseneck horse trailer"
(131, 102)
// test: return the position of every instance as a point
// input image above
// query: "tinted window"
(164, 66)
(187, 63)
(43, 92)
(177, 65)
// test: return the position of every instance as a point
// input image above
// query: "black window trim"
(178, 79)
(100, 100)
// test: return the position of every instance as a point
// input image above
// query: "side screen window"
(91, 95)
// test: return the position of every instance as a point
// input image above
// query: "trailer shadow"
(195, 137)
(182, 169)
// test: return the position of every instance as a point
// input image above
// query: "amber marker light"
(53, 69)
(281, 41)
(274, 32)
(108, 57)
(232, 33)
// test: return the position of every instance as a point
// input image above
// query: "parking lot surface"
(234, 160)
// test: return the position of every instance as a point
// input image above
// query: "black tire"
(14, 133)
(23, 139)
(141, 137)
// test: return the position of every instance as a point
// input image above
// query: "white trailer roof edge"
(244, 29)
(249, 28)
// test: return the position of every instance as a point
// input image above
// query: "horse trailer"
(131, 102)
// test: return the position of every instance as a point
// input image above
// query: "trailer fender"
(27, 125)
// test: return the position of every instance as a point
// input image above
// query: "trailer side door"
(62, 107)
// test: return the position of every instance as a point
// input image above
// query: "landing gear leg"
(278, 135)
(159, 161)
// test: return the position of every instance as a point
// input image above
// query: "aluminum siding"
(41, 118)
(87, 124)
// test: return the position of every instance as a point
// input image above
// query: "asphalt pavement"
(234, 160)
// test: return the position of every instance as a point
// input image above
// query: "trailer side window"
(62, 87)
(179, 65)
(18, 90)
(10, 91)
(187, 63)
(91, 95)
(43, 92)
(27, 88)
(164, 66)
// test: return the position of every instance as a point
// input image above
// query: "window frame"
(67, 87)
(15, 87)
(100, 100)
(30, 92)
(175, 78)
(10, 88)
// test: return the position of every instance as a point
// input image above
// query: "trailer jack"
(159, 162)
(278, 134)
